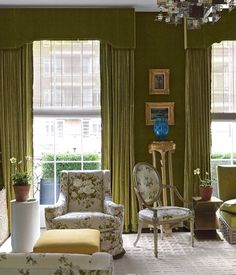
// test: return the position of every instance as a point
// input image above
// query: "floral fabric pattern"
(147, 182)
(55, 211)
(55, 264)
(85, 202)
(94, 220)
(114, 209)
(85, 191)
(166, 213)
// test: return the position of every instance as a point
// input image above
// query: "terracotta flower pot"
(205, 192)
(21, 192)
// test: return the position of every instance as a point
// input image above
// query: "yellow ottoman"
(79, 241)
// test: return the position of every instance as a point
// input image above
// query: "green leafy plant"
(204, 182)
(21, 176)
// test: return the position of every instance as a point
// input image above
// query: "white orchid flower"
(196, 171)
(13, 160)
(28, 157)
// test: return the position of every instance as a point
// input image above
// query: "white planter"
(4, 230)
(25, 228)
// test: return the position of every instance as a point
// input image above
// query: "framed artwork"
(159, 81)
(165, 109)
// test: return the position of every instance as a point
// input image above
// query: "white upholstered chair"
(148, 188)
(85, 202)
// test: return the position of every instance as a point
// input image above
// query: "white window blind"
(223, 93)
(66, 76)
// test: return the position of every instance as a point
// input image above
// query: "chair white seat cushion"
(96, 220)
(166, 213)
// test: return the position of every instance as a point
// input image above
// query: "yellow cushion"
(79, 241)
(229, 218)
(229, 206)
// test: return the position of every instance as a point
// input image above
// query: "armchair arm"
(177, 193)
(56, 210)
(114, 209)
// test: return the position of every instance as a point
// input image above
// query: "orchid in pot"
(205, 185)
(21, 178)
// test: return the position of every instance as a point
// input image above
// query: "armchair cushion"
(96, 220)
(229, 206)
(85, 191)
(229, 218)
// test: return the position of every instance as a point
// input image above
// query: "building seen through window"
(67, 120)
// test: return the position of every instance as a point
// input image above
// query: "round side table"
(25, 226)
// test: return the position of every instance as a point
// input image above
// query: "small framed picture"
(164, 109)
(159, 81)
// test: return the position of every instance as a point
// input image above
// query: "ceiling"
(138, 5)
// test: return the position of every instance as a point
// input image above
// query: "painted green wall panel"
(224, 29)
(159, 45)
(18, 26)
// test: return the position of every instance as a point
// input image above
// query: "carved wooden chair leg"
(140, 226)
(155, 232)
(161, 228)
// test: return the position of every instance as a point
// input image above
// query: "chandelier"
(196, 12)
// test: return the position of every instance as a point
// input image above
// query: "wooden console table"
(206, 221)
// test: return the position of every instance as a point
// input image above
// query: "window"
(223, 106)
(67, 121)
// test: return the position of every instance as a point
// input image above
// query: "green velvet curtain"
(197, 117)
(117, 104)
(16, 78)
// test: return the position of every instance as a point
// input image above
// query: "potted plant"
(21, 179)
(205, 187)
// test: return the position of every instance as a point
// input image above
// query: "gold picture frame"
(159, 81)
(154, 109)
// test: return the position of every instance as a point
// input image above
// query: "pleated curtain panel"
(16, 78)
(117, 108)
(197, 117)
(117, 104)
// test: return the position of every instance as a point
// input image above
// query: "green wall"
(159, 45)
(224, 29)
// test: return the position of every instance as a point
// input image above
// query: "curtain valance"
(24, 25)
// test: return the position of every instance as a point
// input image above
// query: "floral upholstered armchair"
(85, 202)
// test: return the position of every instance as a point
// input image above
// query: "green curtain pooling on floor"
(197, 117)
(117, 105)
(16, 116)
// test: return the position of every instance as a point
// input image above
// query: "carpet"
(176, 256)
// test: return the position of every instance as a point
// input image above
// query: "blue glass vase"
(161, 127)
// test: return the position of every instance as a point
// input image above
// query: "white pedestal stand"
(25, 225)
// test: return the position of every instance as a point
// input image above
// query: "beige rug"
(176, 256)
